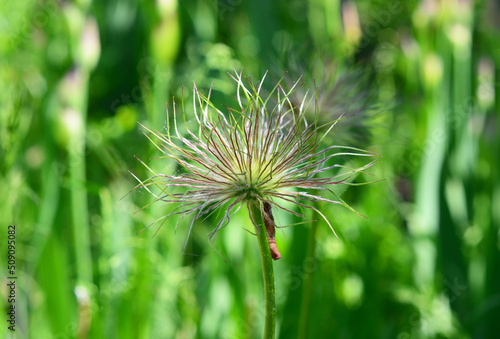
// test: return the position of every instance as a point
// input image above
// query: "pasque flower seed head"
(258, 153)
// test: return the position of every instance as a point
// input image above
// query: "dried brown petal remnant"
(271, 231)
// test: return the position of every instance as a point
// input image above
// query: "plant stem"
(267, 272)
(77, 178)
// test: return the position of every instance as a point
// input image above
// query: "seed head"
(259, 153)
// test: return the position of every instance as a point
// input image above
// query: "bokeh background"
(419, 80)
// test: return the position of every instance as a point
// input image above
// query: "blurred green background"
(420, 77)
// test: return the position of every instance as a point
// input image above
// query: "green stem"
(78, 193)
(267, 272)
